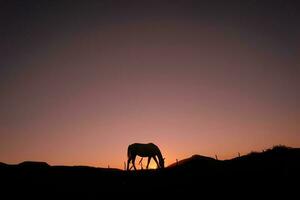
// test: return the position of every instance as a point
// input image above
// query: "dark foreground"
(270, 173)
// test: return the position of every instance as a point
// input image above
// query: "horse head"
(162, 163)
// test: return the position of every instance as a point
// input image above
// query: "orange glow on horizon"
(202, 82)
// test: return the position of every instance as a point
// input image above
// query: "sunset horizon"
(81, 81)
(152, 165)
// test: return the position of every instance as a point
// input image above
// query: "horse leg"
(155, 159)
(133, 162)
(149, 158)
(140, 163)
(128, 163)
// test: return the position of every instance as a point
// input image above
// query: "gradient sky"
(79, 82)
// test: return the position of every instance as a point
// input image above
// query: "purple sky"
(79, 82)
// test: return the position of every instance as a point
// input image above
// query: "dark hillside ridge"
(272, 170)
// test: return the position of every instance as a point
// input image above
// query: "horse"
(149, 150)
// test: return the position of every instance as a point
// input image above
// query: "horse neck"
(159, 156)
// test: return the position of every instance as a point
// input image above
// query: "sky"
(80, 81)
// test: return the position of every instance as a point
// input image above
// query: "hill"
(276, 168)
(193, 160)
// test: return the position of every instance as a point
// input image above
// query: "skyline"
(79, 82)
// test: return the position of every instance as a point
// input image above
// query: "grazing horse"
(149, 150)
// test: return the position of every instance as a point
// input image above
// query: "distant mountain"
(34, 164)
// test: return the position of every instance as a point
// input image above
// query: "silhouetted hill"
(270, 171)
(198, 165)
(3, 164)
(279, 161)
(277, 152)
(33, 164)
(193, 160)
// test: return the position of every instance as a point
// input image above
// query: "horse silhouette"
(149, 150)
